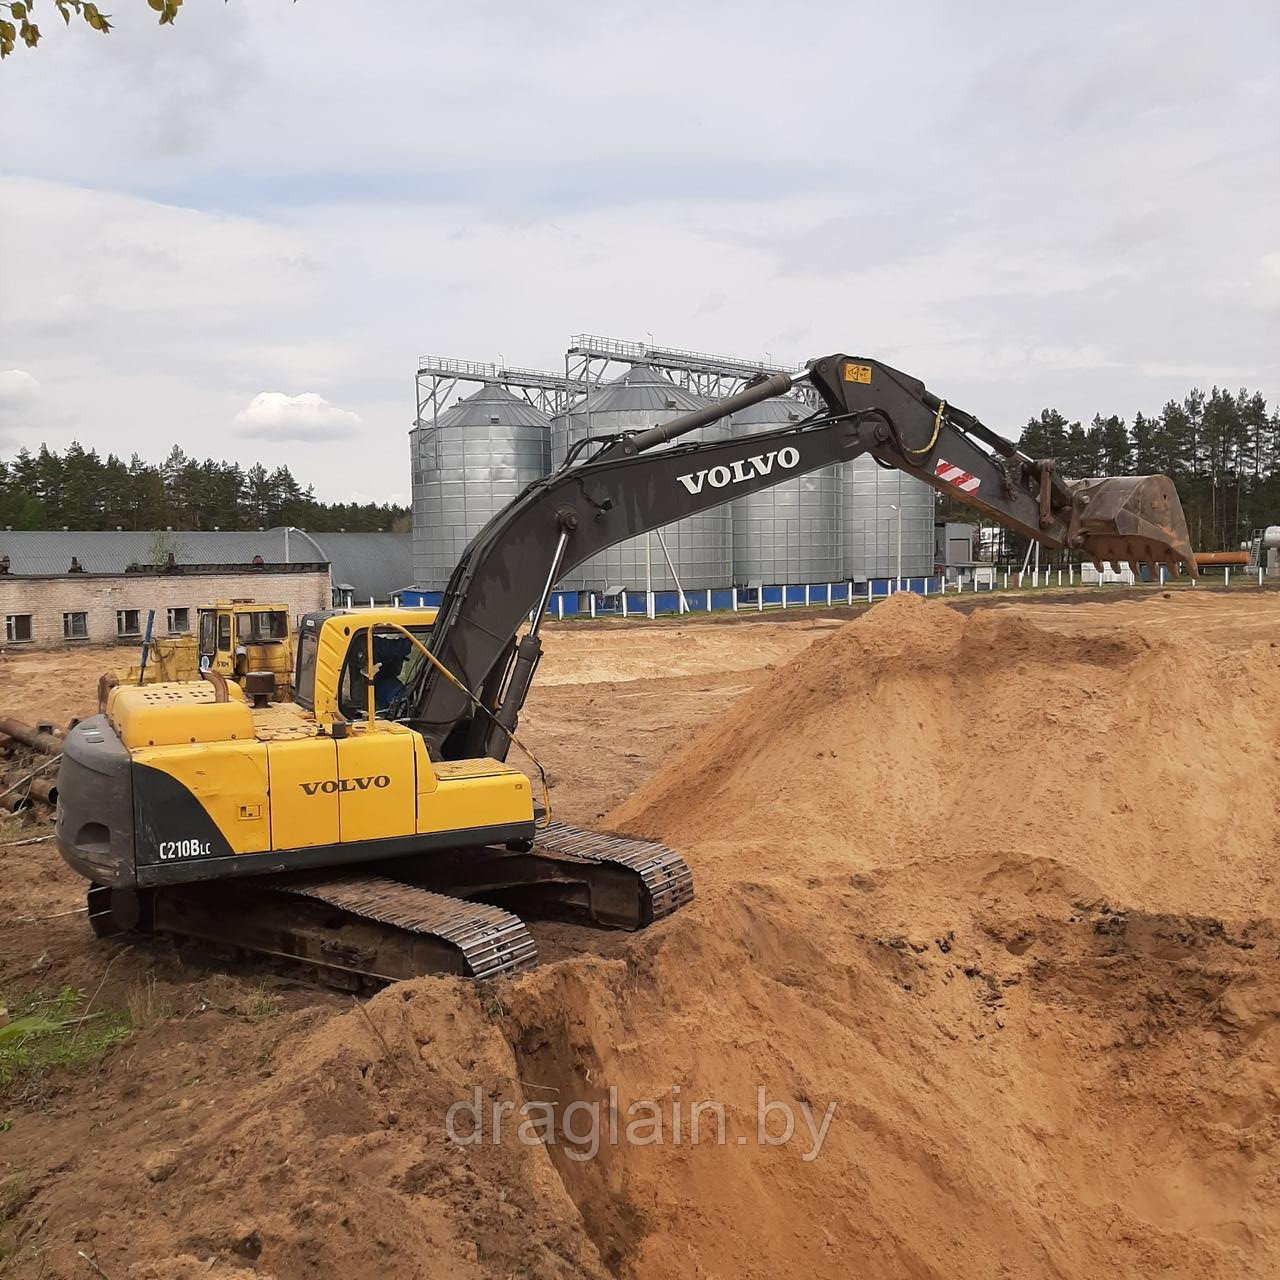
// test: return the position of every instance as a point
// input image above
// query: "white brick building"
(45, 610)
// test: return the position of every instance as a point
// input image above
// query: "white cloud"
(18, 390)
(272, 415)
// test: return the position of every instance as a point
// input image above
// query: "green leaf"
(31, 34)
(18, 9)
(157, 5)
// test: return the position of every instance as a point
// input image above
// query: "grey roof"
(768, 413)
(641, 387)
(491, 401)
(373, 564)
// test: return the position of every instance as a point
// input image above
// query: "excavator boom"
(632, 484)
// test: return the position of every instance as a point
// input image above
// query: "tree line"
(78, 489)
(1222, 450)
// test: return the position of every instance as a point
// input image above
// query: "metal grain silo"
(869, 496)
(790, 533)
(478, 455)
(701, 546)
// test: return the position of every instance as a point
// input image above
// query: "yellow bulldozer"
(245, 641)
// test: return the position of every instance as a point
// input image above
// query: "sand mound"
(918, 734)
(999, 895)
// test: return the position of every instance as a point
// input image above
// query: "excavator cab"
(332, 672)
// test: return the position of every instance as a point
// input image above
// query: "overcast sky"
(238, 233)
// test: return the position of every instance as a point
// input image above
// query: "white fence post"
(784, 595)
(850, 601)
(734, 598)
(926, 586)
(708, 599)
(560, 606)
(591, 602)
(649, 604)
(760, 598)
(1226, 575)
(828, 595)
(624, 602)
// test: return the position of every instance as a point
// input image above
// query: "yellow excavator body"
(269, 778)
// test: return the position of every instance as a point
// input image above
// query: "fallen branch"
(381, 1038)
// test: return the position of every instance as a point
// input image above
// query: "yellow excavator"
(372, 829)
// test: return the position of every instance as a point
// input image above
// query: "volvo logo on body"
(330, 785)
(743, 469)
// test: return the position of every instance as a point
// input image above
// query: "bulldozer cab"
(332, 676)
(239, 636)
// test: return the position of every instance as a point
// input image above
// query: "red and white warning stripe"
(957, 476)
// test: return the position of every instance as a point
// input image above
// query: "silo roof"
(776, 412)
(642, 388)
(491, 401)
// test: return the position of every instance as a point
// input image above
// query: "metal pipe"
(766, 389)
(552, 574)
(666, 555)
(45, 789)
(30, 737)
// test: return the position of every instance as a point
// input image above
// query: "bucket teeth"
(1135, 520)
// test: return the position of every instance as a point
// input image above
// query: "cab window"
(304, 692)
(224, 632)
(262, 626)
(396, 659)
(206, 633)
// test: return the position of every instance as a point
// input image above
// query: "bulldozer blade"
(1138, 519)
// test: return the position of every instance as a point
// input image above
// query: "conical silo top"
(641, 388)
(492, 405)
(778, 412)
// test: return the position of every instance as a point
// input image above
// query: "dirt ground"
(999, 885)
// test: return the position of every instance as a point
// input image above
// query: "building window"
(179, 622)
(17, 627)
(127, 622)
(75, 626)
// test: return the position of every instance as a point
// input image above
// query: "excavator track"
(394, 923)
(664, 873)
(351, 931)
(489, 941)
(570, 874)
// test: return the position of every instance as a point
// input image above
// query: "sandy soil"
(1000, 886)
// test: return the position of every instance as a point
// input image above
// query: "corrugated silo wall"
(701, 547)
(869, 534)
(790, 533)
(465, 470)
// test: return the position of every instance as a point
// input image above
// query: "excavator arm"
(631, 485)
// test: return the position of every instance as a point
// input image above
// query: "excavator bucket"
(1137, 519)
